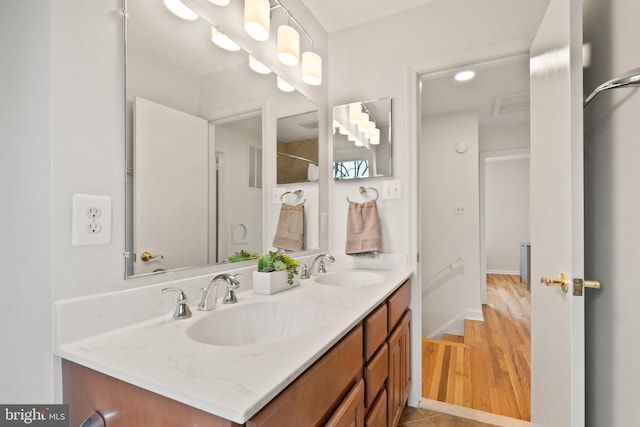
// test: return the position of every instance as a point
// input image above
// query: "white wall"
(449, 178)
(506, 182)
(26, 253)
(612, 203)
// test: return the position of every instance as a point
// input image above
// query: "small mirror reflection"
(362, 140)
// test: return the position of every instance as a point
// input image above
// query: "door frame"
(496, 52)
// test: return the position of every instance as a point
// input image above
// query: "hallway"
(488, 369)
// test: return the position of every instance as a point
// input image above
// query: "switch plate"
(91, 220)
(391, 190)
(460, 209)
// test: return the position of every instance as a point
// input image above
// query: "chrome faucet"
(182, 309)
(230, 296)
(320, 260)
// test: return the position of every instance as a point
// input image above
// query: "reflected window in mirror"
(362, 141)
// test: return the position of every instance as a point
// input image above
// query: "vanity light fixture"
(181, 10)
(223, 41)
(258, 66)
(220, 2)
(370, 130)
(288, 45)
(350, 137)
(343, 130)
(257, 19)
(364, 122)
(464, 76)
(375, 138)
(284, 86)
(355, 108)
(311, 68)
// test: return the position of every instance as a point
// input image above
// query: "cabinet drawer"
(351, 412)
(375, 374)
(398, 303)
(316, 393)
(375, 330)
(378, 414)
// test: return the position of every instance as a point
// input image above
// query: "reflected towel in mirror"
(290, 231)
(363, 229)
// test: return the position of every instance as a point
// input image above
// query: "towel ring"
(363, 192)
(298, 193)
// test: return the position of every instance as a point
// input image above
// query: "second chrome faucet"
(206, 304)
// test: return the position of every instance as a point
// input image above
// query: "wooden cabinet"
(377, 416)
(351, 412)
(399, 380)
(311, 399)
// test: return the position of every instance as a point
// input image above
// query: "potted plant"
(276, 272)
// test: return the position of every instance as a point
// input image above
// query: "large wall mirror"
(362, 142)
(198, 121)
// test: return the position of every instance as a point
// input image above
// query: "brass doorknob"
(562, 282)
(146, 256)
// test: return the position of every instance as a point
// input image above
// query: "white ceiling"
(499, 92)
(335, 15)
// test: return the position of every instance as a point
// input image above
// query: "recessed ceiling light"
(463, 76)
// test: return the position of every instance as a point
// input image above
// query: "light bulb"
(375, 139)
(223, 41)
(181, 10)
(311, 68)
(257, 19)
(364, 122)
(288, 45)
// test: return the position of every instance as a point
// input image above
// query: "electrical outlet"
(460, 210)
(91, 220)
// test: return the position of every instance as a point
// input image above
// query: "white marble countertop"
(230, 382)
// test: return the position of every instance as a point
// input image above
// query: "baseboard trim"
(472, 414)
(505, 272)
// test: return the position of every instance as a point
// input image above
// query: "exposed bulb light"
(311, 68)
(355, 108)
(358, 142)
(370, 129)
(288, 45)
(220, 2)
(180, 10)
(350, 137)
(257, 19)
(343, 130)
(364, 122)
(258, 66)
(284, 86)
(223, 41)
(464, 76)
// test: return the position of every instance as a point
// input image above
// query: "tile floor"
(416, 417)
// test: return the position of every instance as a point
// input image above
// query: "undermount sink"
(350, 278)
(256, 323)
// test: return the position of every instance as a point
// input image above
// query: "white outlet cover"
(87, 229)
(391, 190)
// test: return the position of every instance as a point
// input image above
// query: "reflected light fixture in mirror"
(288, 45)
(257, 15)
(223, 41)
(258, 66)
(181, 10)
(220, 2)
(284, 86)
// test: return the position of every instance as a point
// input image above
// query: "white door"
(557, 227)
(171, 165)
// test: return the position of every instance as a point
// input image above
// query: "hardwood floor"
(488, 369)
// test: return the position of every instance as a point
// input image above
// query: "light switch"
(91, 220)
(391, 189)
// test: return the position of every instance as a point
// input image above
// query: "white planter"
(270, 283)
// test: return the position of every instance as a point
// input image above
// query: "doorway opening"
(473, 193)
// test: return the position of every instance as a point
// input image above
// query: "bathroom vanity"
(351, 368)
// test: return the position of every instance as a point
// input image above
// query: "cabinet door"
(378, 414)
(399, 379)
(350, 413)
